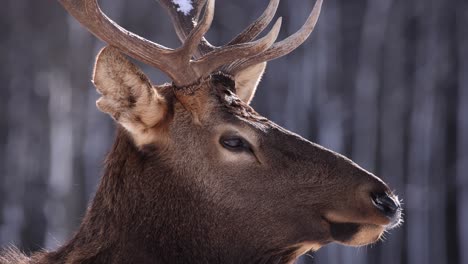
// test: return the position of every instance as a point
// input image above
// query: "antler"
(185, 23)
(283, 47)
(196, 57)
(175, 63)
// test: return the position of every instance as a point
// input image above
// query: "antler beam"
(184, 23)
(196, 57)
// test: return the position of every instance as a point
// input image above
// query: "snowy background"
(384, 82)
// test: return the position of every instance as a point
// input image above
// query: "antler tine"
(254, 29)
(283, 47)
(228, 54)
(184, 23)
(196, 35)
(241, 53)
(88, 13)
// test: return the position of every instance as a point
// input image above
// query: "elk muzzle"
(367, 213)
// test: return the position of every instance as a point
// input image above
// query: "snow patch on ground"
(185, 6)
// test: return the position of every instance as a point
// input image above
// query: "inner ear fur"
(127, 95)
(247, 81)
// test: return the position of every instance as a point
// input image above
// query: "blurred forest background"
(384, 82)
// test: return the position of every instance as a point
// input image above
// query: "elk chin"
(351, 234)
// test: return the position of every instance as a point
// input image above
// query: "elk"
(195, 175)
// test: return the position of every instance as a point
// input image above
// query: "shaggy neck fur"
(127, 223)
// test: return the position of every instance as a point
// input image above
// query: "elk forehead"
(225, 89)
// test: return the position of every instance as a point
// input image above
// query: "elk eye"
(234, 143)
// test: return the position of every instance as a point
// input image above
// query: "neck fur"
(123, 226)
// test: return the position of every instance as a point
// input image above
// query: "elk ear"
(127, 95)
(247, 81)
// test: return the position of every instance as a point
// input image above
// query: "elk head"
(202, 174)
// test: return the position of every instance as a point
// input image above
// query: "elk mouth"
(354, 234)
(343, 231)
(364, 231)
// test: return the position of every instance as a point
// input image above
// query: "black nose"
(386, 204)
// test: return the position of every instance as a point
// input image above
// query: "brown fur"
(171, 193)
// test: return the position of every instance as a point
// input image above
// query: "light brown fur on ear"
(127, 95)
(247, 81)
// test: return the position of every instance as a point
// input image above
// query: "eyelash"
(239, 144)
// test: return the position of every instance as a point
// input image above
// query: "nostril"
(388, 206)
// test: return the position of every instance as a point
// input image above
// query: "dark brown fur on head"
(195, 175)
